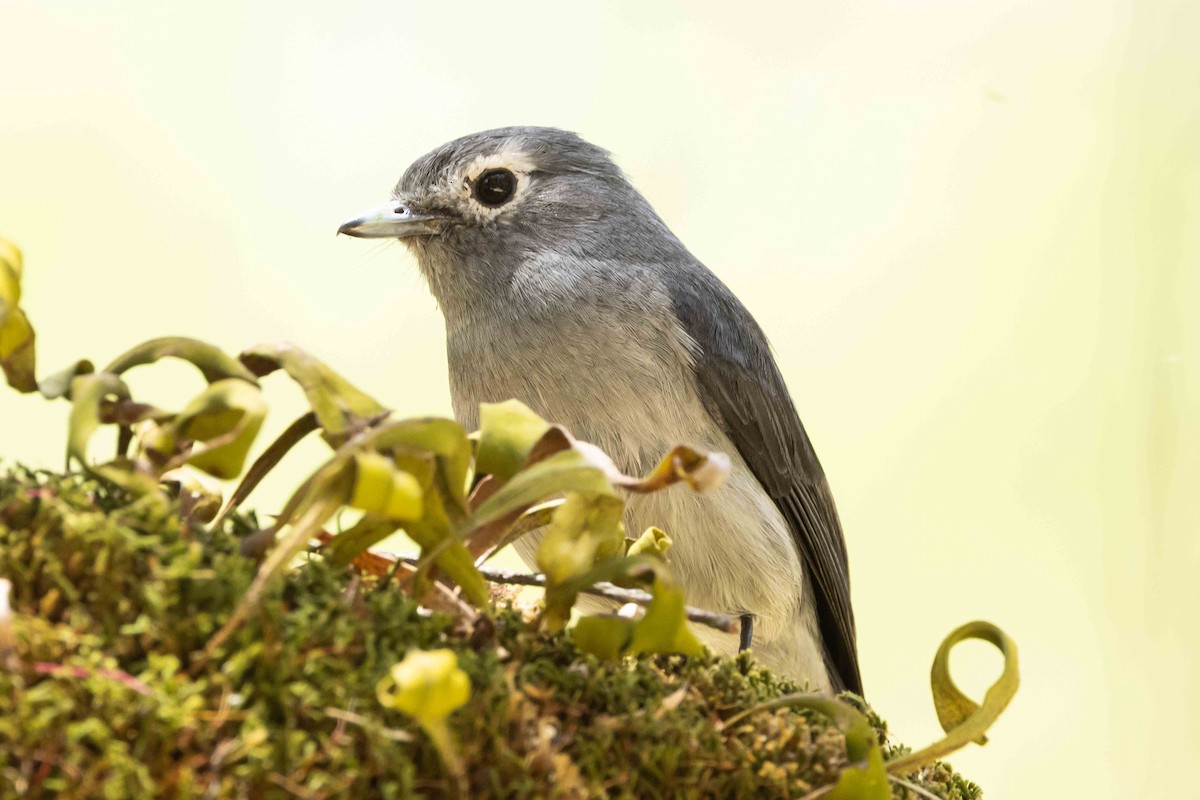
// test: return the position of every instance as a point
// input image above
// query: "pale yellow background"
(970, 230)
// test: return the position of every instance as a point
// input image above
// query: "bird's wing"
(741, 387)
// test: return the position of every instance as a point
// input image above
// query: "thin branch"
(912, 787)
(819, 792)
(118, 675)
(768, 705)
(394, 734)
(721, 622)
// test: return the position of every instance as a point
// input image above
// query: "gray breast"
(624, 383)
(616, 373)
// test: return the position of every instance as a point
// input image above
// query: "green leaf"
(341, 409)
(583, 528)
(213, 364)
(88, 393)
(663, 628)
(226, 418)
(962, 718)
(16, 333)
(561, 472)
(267, 460)
(511, 436)
(654, 542)
(868, 781)
(434, 536)
(358, 538)
(507, 433)
(605, 636)
(448, 443)
(12, 268)
(864, 777)
(17, 355)
(434, 533)
(382, 489)
(426, 685)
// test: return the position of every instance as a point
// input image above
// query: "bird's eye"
(495, 187)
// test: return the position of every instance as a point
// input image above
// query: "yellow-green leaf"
(426, 685)
(445, 439)
(663, 628)
(358, 538)
(654, 542)
(16, 333)
(452, 558)
(340, 407)
(380, 488)
(213, 364)
(865, 781)
(88, 393)
(266, 461)
(507, 433)
(561, 472)
(962, 718)
(605, 636)
(584, 527)
(17, 355)
(12, 266)
(225, 418)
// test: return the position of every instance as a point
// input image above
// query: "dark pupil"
(495, 187)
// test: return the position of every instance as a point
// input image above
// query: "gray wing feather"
(741, 387)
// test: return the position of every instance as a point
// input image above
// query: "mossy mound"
(104, 693)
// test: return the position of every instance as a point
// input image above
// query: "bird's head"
(477, 209)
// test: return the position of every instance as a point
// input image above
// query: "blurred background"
(970, 229)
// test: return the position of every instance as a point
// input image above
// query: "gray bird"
(563, 288)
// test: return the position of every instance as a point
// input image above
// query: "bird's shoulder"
(740, 382)
(742, 388)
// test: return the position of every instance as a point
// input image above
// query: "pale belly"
(731, 547)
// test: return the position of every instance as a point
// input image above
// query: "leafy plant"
(105, 692)
(410, 475)
(459, 496)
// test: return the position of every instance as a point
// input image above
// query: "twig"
(820, 791)
(290, 786)
(721, 622)
(393, 734)
(120, 676)
(912, 787)
(767, 705)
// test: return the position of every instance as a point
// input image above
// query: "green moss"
(103, 692)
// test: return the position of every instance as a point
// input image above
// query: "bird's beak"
(392, 221)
